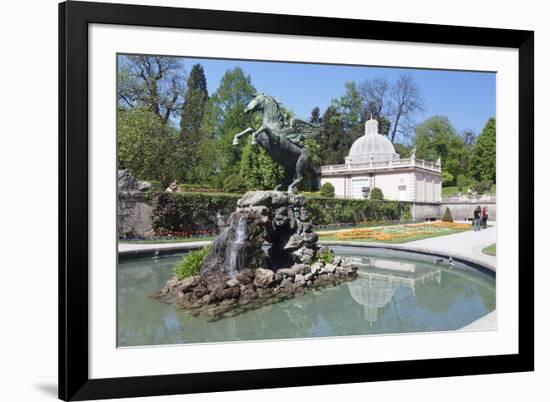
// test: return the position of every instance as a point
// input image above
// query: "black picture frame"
(74, 18)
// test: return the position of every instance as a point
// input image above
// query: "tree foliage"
(152, 82)
(258, 169)
(447, 178)
(331, 140)
(436, 137)
(225, 117)
(191, 132)
(146, 145)
(482, 166)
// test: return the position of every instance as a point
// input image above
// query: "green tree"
(152, 82)
(447, 178)
(482, 164)
(192, 114)
(225, 117)
(332, 142)
(436, 137)
(146, 145)
(350, 108)
(404, 151)
(258, 169)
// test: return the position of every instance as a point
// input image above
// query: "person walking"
(477, 218)
(484, 218)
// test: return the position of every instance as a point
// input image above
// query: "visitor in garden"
(484, 218)
(477, 217)
(173, 187)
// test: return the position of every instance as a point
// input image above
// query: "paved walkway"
(466, 244)
(128, 248)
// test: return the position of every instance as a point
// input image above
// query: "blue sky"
(468, 99)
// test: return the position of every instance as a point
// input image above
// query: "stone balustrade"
(398, 163)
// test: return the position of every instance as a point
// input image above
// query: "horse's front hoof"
(235, 142)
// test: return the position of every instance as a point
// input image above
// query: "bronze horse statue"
(283, 140)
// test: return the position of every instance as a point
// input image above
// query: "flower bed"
(402, 232)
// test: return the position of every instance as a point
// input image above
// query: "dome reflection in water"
(395, 292)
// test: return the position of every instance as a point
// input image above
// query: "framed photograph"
(259, 201)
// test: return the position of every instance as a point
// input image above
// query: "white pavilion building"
(373, 162)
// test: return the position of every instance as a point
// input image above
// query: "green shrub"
(186, 187)
(191, 263)
(235, 184)
(376, 194)
(463, 181)
(325, 255)
(447, 216)
(447, 178)
(483, 186)
(327, 190)
(156, 186)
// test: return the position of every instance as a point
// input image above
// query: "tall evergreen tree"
(192, 115)
(332, 139)
(196, 96)
(482, 164)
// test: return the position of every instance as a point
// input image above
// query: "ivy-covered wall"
(190, 212)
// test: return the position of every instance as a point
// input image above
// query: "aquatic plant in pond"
(191, 263)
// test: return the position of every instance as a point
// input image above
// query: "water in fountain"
(235, 248)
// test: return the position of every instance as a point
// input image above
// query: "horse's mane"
(282, 118)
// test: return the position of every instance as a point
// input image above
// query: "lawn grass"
(490, 250)
(449, 191)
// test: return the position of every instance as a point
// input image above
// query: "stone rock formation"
(267, 253)
(127, 182)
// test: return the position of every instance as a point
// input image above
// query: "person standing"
(484, 217)
(477, 217)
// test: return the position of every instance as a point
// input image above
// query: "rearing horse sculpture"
(282, 140)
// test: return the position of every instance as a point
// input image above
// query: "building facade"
(372, 162)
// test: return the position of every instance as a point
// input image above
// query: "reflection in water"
(395, 293)
(380, 278)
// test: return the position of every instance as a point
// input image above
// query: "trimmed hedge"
(174, 212)
(326, 211)
(447, 217)
(178, 212)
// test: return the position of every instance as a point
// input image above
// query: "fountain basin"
(401, 293)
